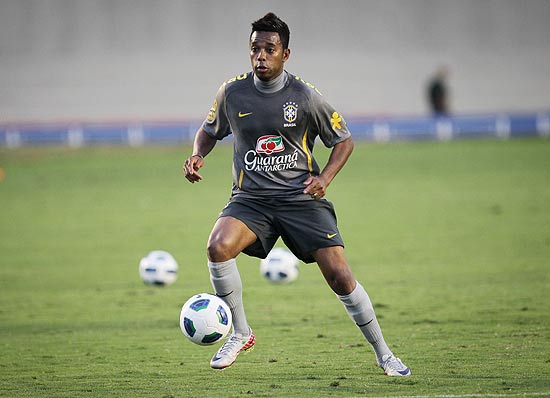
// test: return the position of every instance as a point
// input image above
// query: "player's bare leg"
(228, 238)
(335, 269)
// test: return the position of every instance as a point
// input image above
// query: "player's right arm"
(202, 146)
(214, 128)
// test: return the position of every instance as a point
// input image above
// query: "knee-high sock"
(227, 284)
(360, 309)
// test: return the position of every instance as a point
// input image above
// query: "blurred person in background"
(438, 92)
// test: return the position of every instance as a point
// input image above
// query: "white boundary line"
(526, 394)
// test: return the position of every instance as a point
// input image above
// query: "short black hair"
(272, 23)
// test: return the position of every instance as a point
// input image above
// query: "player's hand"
(316, 187)
(191, 167)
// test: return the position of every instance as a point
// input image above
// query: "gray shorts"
(304, 226)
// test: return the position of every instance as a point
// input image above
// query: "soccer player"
(278, 187)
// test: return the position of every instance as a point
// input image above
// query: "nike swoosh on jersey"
(330, 236)
(244, 114)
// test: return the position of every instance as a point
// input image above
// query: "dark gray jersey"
(273, 134)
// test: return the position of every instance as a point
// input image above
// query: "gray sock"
(360, 309)
(227, 284)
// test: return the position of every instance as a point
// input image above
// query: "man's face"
(267, 55)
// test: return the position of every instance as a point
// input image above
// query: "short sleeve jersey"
(273, 134)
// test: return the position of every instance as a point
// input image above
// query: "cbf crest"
(290, 113)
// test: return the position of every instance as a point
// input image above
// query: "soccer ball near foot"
(205, 319)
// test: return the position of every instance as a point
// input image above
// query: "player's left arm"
(338, 157)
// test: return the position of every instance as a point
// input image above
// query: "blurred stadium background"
(79, 72)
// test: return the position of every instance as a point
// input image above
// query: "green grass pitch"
(451, 240)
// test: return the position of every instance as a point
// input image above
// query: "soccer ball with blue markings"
(205, 319)
(158, 268)
(280, 266)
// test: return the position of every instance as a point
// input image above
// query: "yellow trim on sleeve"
(306, 150)
(241, 175)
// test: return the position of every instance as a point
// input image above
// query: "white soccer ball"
(280, 266)
(158, 268)
(205, 319)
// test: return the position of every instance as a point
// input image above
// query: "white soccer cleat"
(393, 366)
(227, 354)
